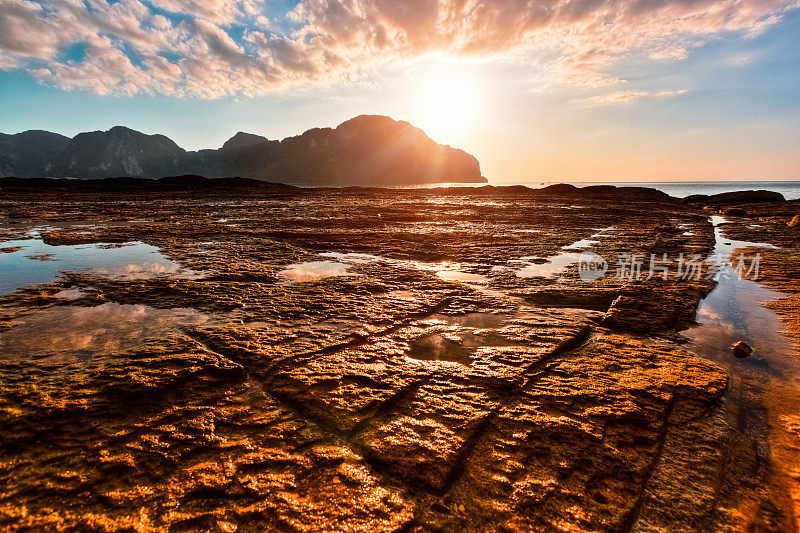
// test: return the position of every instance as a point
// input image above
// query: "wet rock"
(738, 197)
(389, 400)
(735, 212)
(661, 240)
(666, 228)
(599, 299)
(696, 199)
(742, 350)
(564, 452)
(656, 306)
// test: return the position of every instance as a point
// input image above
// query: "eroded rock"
(388, 400)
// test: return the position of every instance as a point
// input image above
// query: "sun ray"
(447, 103)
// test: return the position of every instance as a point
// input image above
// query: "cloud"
(212, 48)
(621, 97)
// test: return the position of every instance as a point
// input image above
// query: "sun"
(447, 102)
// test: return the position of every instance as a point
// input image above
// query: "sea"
(680, 189)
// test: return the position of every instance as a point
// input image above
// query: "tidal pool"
(32, 262)
(544, 267)
(550, 267)
(67, 333)
(314, 270)
(352, 257)
(466, 277)
(763, 386)
(444, 270)
(579, 245)
(734, 311)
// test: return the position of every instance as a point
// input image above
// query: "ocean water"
(680, 189)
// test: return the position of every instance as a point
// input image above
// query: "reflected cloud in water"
(79, 333)
(130, 261)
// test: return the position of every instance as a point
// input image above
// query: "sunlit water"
(537, 267)
(466, 277)
(734, 312)
(32, 262)
(550, 267)
(313, 271)
(581, 244)
(68, 333)
(447, 271)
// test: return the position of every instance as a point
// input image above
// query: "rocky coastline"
(389, 359)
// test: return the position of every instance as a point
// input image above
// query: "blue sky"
(720, 105)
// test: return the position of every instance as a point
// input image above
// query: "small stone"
(661, 240)
(795, 222)
(741, 350)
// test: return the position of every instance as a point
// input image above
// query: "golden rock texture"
(227, 397)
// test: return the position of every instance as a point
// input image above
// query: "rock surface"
(392, 398)
(742, 350)
(736, 197)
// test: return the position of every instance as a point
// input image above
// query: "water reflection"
(474, 320)
(32, 262)
(445, 270)
(538, 267)
(73, 293)
(79, 333)
(734, 311)
(314, 270)
(579, 245)
(466, 277)
(544, 267)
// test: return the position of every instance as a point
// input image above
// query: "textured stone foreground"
(225, 397)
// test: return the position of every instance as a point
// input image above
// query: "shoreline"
(790, 190)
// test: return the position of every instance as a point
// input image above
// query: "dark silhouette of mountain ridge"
(29, 153)
(365, 150)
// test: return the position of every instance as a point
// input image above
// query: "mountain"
(243, 140)
(119, 152)
(366, 150)
(369, 150)
(28, 153)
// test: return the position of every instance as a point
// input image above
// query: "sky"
(537, 90)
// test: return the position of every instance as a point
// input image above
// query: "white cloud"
(622, 97)
(127, 41)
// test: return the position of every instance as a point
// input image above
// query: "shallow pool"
(32, 262)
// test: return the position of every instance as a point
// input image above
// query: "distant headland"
(366, 150)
